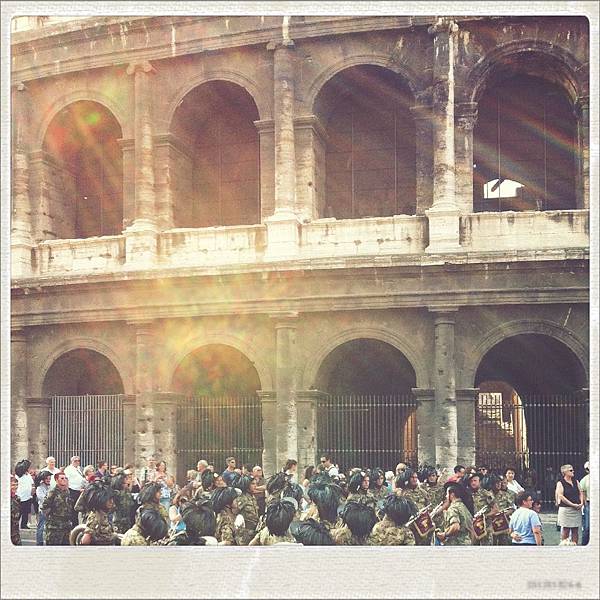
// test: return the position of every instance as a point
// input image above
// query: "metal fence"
(90, 427)
(368, 430)
(213, 428)
(535, 434)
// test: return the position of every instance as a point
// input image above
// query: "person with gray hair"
(570, 502)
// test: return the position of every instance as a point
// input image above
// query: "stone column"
(18, 389)
(21, 242)
(144, 386)
(41, 168)
(422, 116)
(283, 227)
(306, 402)
(268, 401)
(38, 414)
(310, 167)
(582, 113)
(466, 403)
(141, 240)
(444, 214)
(165, 428)
(285, 368)
(444, 379)
(128, 151)
(425, 425)
(129, 428)
(266, 137)
(466, 117)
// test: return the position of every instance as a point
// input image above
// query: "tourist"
(76, 483)
(525, 525)
(230, 472)
(571, 500)
(512, 484)
(25, 490)
(584, 485)
(41, 491)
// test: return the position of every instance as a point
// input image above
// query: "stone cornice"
(92, 31)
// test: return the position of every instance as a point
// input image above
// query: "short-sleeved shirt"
(584, 486)
(522, 522)
(457, 512)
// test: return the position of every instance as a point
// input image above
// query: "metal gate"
(90, 427)
(535, 434)
(368, 431)
(213, 428)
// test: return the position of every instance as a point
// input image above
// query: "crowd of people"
(113, 505)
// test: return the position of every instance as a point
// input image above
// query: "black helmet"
(21, 467)
(311, 533)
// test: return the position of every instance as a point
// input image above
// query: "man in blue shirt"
(230, 472)
(525, 525)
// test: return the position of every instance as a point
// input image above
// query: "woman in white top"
(511, 483)
(25, 489)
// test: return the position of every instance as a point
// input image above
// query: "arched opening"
(370, 157)
(220, 414)
(85, 171)
(368, 417)
(533, 409)
(215, 178)
(80, 372)
(525, 141)
(86, 408)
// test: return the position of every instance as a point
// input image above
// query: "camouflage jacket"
(265, 538)
(458, 513)
(482, 498)
(15, 514)
(183, 538)
(248, 507)
(58, 509)
(342, 536)
(505, 500)
(435, 492)
(100, 529)
(363, 497)
(154, 506)
(419, 496)
(124, 513)
(226, 531)
(386, 533)
(381, 493)
(134, 537)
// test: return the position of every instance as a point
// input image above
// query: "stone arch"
(507, 330)
(225, 339)
(81, 343)
(478, 77)
(314, 363)
(87, 95)
(263, 105)
(379, 60)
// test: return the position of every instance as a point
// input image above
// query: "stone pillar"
(444, 379)
(266, 137)
(425, 425)
(141, 239)
(144, 385)
(285, 376)
(283, 227)
(306, 402)
(310, 167)
(466, 117)
(466, 403)
(165, 428)
(21, 242)
(444, 214)
(422, 116)
(128, 151)
(41, 168)
(38, 414)
(268, 401)
(582, 113)
(129, 428)
(18, 389)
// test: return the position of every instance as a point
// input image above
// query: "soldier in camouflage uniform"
(391, 531)
(125, 505)
(58, 510)
(148, 530)
(248, 507)
(200, 525)
(311, 533)
(98, 531)
(275, 486)
(458, 519)
(377, 485)
(504, 501)
(482, 498)
(358, 485)
(15, 512)
(435, 490)
(407, 485)
(278, 517)
(225, 506)
(326, 497)
(358, 520)
(149, 497)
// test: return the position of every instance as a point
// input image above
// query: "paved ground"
(551, 536)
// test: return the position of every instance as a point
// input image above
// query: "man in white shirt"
(51, 466)
(584, 486)
(76, 483)
(330, 468)
(25, 492)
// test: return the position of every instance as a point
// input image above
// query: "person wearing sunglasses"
(570, 502)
